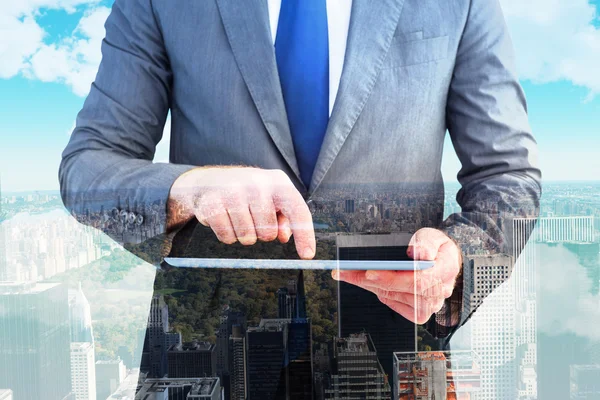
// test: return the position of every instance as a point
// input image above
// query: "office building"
(356, 371)
(228, 319)
(192, 360)
(492, 328)
(291, 300)
(34, 337)
(279, 360)
(436, 375)
(565, 229)
(349, 206)
(158, 339)
(238, 359)
(585, 382)
(265, 360)
(180, 389)
(83, 371)
(80, 317)
(300, 362)
(109, 376)
(360, 310)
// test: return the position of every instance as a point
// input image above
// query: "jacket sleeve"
(488, 125)
(107, 176)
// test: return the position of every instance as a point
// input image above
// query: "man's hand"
(243, 204)
(415, 295)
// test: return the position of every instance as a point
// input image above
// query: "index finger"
(426, 283)
(290, 203)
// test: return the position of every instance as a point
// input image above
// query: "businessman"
(272, 100)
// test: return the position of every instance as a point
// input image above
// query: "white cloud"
(19, 39)
(73, 61)
(555, 40)
(564, 291)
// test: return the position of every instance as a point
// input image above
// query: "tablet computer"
(359, 265)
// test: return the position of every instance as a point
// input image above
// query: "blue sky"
(50, 51)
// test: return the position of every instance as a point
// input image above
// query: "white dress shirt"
(338, 20)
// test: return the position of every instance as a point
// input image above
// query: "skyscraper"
(158, 339)
(229, 318)
(357, 373)
(34, 337)
(192, 360)
(349, 206)
(83, 370)
(360, 310)
(299, 356)
(238, 369)
(291, 300)
(493, 335)
(80, 317)
(278, 360)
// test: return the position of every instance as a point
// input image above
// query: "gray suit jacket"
(413, 70)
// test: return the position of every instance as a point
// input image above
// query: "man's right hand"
(243, 204)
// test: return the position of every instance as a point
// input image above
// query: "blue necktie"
(302, 52)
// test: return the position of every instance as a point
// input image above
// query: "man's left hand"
(416, 295)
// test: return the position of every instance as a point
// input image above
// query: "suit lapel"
(372, 27)
(247, 27)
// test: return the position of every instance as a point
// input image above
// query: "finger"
(425, 244)
(284, 232)
(410, 299)
(265, 219)
(398, 281)
(290, 203)
(243, 225)
(419, 315)
(221, 226)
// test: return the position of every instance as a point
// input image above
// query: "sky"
(50, 51)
